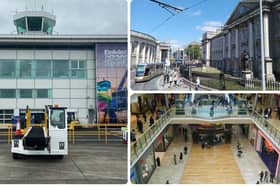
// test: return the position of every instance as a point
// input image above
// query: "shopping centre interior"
(205, 138)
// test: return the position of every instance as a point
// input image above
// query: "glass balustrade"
(201, 112)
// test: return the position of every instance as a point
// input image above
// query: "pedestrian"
(133, 135)
(185, 150)
(202, 145)
(140, 125)
(175, 80)
(265, 177)
(164, 79)
(271, 178)
(170, 81)
(175, 159)
(258, 182)
(145, 117)
(181, 156)
(261, 176)
(167, 182)
(158, 161)
(197, 85)
(152, 121)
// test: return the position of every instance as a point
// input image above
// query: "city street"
(157, 84)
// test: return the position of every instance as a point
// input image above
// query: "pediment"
(243, 8)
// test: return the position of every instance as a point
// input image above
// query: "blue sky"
(184, 27)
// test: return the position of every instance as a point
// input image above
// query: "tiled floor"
(248, 166)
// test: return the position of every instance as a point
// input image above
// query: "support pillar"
(137, 53)
(268, 61)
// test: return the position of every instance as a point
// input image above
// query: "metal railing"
(146, 139)
(99, 130)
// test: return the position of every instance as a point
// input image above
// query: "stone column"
(229, 53)
(143, 53)
(208, 48)
(137, 53)
(148, 54)
(224, 54)
(251, 40)
(268, 60)
(237, 61)
(229, 44)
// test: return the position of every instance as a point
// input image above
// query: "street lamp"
(262, 47)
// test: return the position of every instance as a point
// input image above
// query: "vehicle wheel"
(59, 157)
(16, 156)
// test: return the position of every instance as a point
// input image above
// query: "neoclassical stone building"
(146, 49)
(241, 34)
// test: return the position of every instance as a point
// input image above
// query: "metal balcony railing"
(139, 147)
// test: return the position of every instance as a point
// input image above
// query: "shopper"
(133, 135)
(152, 121)
(175, 159)
(271, 178)
(261, 176)
(181, 157)
(158, 161)
(265, 177)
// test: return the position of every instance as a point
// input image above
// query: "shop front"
(144, 168)
(269, 153)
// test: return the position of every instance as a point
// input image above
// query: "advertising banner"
(111, 75)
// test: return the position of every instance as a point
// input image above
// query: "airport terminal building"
(85, 73)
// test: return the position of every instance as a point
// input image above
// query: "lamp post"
(262, 47)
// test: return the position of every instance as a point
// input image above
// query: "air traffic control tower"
(38, 68)
(34, 22)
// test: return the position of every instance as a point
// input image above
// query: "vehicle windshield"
(140, 70)
(58, 118)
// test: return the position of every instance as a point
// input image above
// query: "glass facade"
(59, 69)
(25, 93)
(7, 93)
(111, 78)
(43, 69)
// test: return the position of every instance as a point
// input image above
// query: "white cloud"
(196, 13)
(210, 26)
(175, 44)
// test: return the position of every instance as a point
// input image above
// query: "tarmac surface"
(86, 163)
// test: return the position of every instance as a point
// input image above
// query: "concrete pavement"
(87, 163)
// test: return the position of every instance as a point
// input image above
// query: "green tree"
(194, 52)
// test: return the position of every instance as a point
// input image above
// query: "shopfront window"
(147, 165)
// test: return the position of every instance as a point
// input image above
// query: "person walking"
(181, 157)
(170, 81)
(158, 161)
(152, 121)
(140, 125)
(265, 177)
(175, 159)
(197, 85)
(261, 176)
(271, 178)
(133, 135)
(145, 117)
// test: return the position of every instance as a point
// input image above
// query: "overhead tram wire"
(173, 15)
